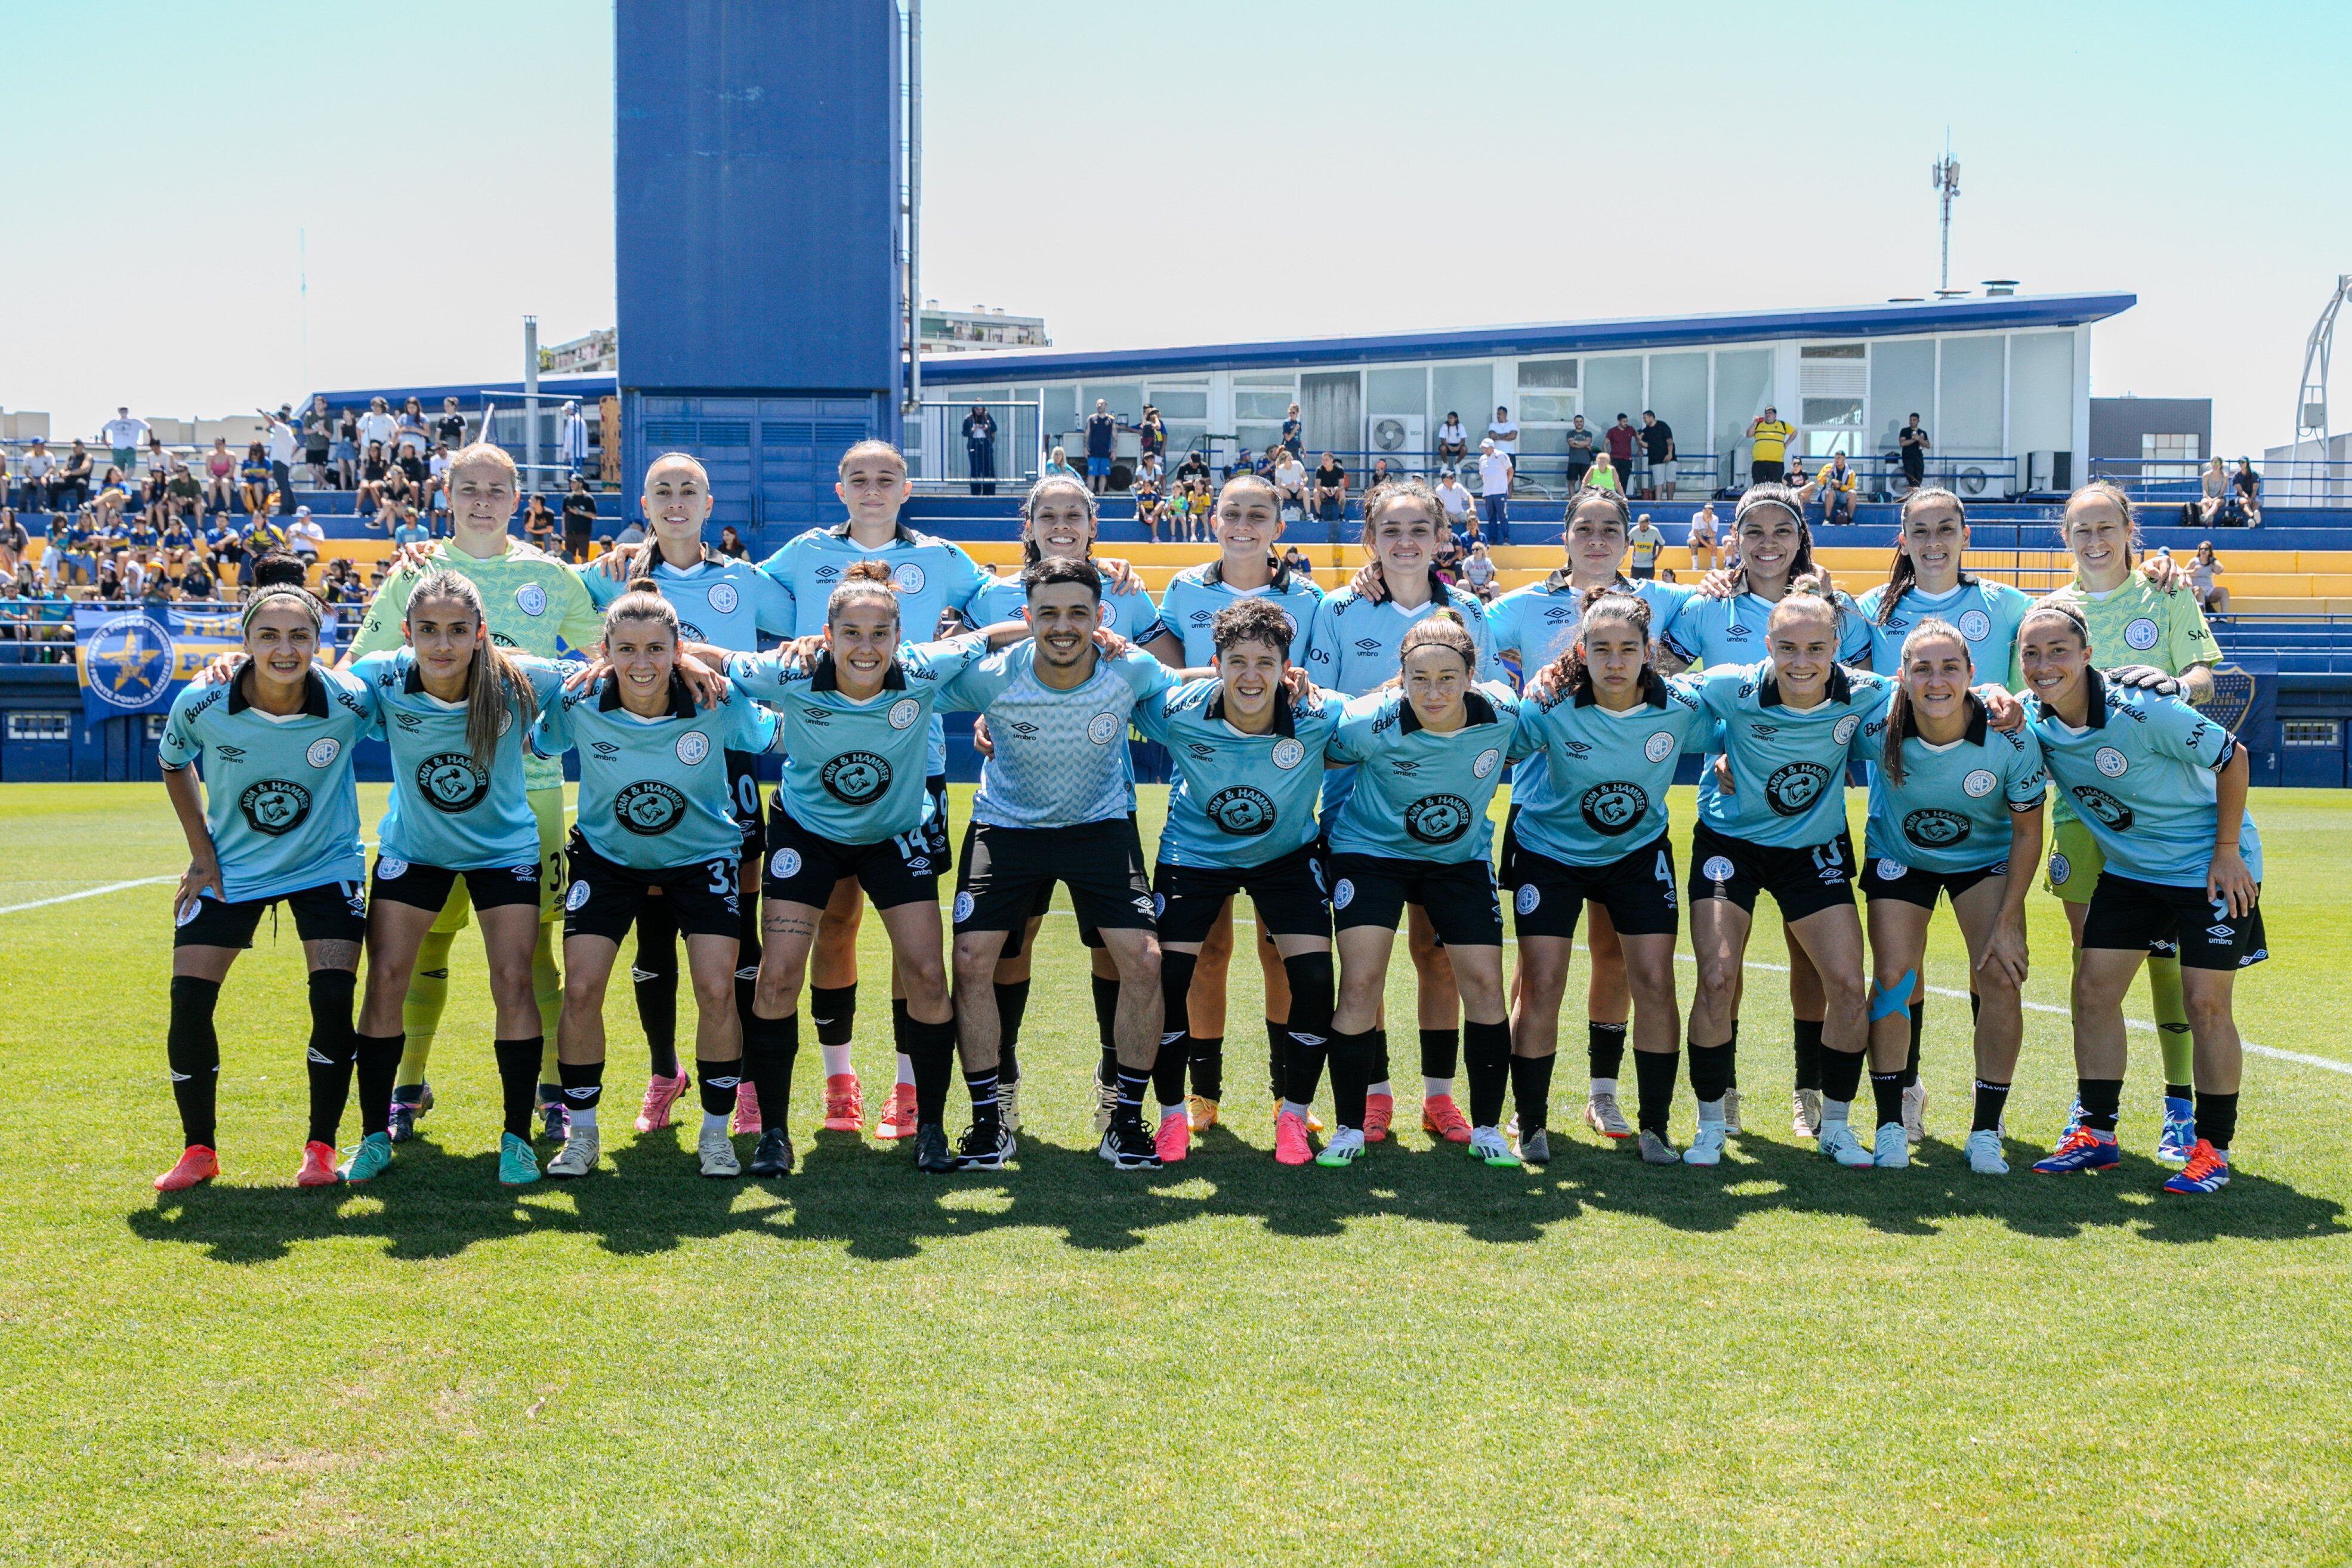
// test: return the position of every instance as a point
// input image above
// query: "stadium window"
(2313, 732)
(2177, 453)
(1547, 391)
(44, 726)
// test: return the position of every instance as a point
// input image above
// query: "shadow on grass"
(868, 1198)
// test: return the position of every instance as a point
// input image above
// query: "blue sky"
(1158, 174)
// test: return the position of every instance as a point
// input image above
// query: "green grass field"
(1417, 1359)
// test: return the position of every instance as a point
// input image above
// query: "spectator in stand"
(110, 581)
(253, 487)
(39, 468)
(282, 441)
(2249, 486)
(1644, 545)
(539, 524)
(343, 453)
(436, 479)
(159, 470)
(220, 476)
(1294, 433)
(111, 498)
(406, 528)
(1495, 491)
(123, 437)
(632, 532)
(1194, 467)
(979, 450)
(572, 440)
(318, 442)
(2215, 481)
(411, 442)
(70, 485)
(1102, 442)
(305, 537)
(1835, 483)
(1452, 442)
(730, 544)
(2203, 567)
(13, 542)
(1058, 462)
(1381, 474)
(1151, 436)
(1331, 493)
(377, 427)
(1797, 481)
(1580, 453)
(181, 494)
(579, 519)
(450, 428)
(1295, 560)
(1479, 570)
(1619, 438)
(1658, 448)
(58, 563)
(1768, 441)
(1455, 499)
(262, 536)
(1150, 507)
(376, 472)
(196, 580)
(1911, 444)
(1503, 431)
(227, 550)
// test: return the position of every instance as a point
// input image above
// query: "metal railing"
(2289, 481)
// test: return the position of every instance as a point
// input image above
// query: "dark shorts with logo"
(1003, 870)
(331, 911)
(2149, 917)
(802, 866)
(602, 899)
(1458, 896)
(1916, 885)
(1288, 892)
(428, 886)
(1802, 882)
(1548, 895)
(743, 800)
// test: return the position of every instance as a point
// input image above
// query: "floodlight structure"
(2311, 400)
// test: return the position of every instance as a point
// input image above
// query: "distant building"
(960, 331)
(599, 351)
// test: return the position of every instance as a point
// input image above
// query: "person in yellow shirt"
(1835, 485)
(1767, 435)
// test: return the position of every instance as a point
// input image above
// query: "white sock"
(1381, 1087)
(1604, 1085)
(906, 1068)
(836, 1061)
(1295, 1109)
(1710, 1111)
(1834, 1110)
(1168, 1111)
(717, 1123)
(583, 1117)
(1431, 1087)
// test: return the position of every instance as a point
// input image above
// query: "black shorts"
(743, 798)
(1457, 895)
(936, 830)
(802, 866)
(602, 899)
(1801, 882)
(331, 911)
(427, 886)
(1548, 896)
(1644, 573)
(2149, 917)
(1766, 470)
(1288, 892)
(1100, 862)
(1888, 877)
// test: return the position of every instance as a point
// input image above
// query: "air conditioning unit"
(1399, 436)
(2049, 470)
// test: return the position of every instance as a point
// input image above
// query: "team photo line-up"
(1335, 757)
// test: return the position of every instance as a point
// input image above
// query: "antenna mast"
(1946, 175)
(2311, 400)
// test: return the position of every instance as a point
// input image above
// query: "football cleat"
(318, 1166)
(1174, 1139)
(2180, 1134)
(1602, 1114)
(1106, 1106)
(1440, 1117)
(1008, 1105)
(2083, 1150)
(1126, 1146)
(518, 1166)
(2074, 1122)
(1290, 1144)
(1313, 1121)
(1202, 1110)
(1487, 1147)
(1656, 1151)
(1915, 1113)
(661, 1093)
(1894, 1151)
(2207, 1171)
(408, 1102)
(1534, 1149)
(714, 1152)
(931, 1153)
(974, 1152)
(1705, 1145)
(844, 1103)
(1984, 1153)
(747, 1109)
(553, 1121)
(197, 1163)
(1805, 1112)
(578, 1156)
(1345, 1147)
(774, 1157)
(1378, 1110)
(1838, 1142)
(898, 1116)
(370, 1160)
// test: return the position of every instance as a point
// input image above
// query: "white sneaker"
(717, 1151)
(1805, 1112)
(1731, 1112)
(1707, 1146)
(1915, 1113)
(1106, 1105)
(1893, 1152)
(1984, 1153)
(1601, 1114)
(1487, 1147)
(1008, 1106)
(578, 1155)
(1839, 1143)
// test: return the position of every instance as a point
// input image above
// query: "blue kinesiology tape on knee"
(1886, 1001)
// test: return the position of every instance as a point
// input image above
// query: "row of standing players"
(667, 727)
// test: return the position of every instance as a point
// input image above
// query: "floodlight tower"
(1945, 174)
(2311, 401)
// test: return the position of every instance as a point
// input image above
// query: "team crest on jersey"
(1485, 763)
(1103, 728)
(963, 908)
(1794, 787)
(391, 868)
(1659, 747)
(531, 599)
(323, 752)
(576, 897)
(1975, 625)
(2109, 761)
(854, 777)
(2104, 806)
(1932, 827)
(1526, 900)
(1241, 811)
(1343, 893)
(1438, 818)
(1978, 783)
(648, 808)
(905, 711)
(273, 807)
(1289, 752)
(1846, 728)
(723, 599)
(1613, 808)
(692, 747)
(908, 579)
(451, 780)
(1892, 870)
(1717, 868)
(785, 865)
(2060, 869)
(2140, 634)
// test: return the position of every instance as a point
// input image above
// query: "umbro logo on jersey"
(1575, 748)
(1368, 645)
(411, 722)
(1200, 751)
(232, 753)
(1023, 729)
(604, 748)
(816, 716)
(1762, 731)
(827, 572)
(1735, 633)
(1404, 767)
(1560, 613)
(1200, 617)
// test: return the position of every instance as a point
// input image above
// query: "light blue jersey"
(2141, 775)
(1131, 615)
(1189, 606)
(1787, 768)
(1238, 800)
(1061, 756)
(1421, 796)
(1537, 623)
(1951, 812)
(447, 809)
(1985, 614)
(726, 603)
(853, 770)
(929, 575)
(654, 792)
(1605, 775)
(1353, 645)
(279, 800)
(1712, 632)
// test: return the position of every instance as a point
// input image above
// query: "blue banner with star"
(136, 660)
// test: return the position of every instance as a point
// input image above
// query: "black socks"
(519, 1081)
(1531, 1092)
(1710, 1071)
(2216, 1118)
(1440, 1049)
(1175, 1043)
(584, 1084)
(930, 1047)
(1918, 1025)
(1305, 1038)
(1886, 1095)
(1012, 1006)
(1809, 1052)
(193, 1049)
(1604, 1049)
(833, 1013)
(1106, 993)
(1487, 1052)
(1990, 1099)
(1351, 1067)
(984, 1105)
(771, 1047)
(653, 975)
(1653, 1076)
(330, 1051)
(2100, 1097)
(1841, 1075)
(378, 1060)
(720, 1080)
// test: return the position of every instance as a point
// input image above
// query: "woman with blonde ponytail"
(455, 709)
